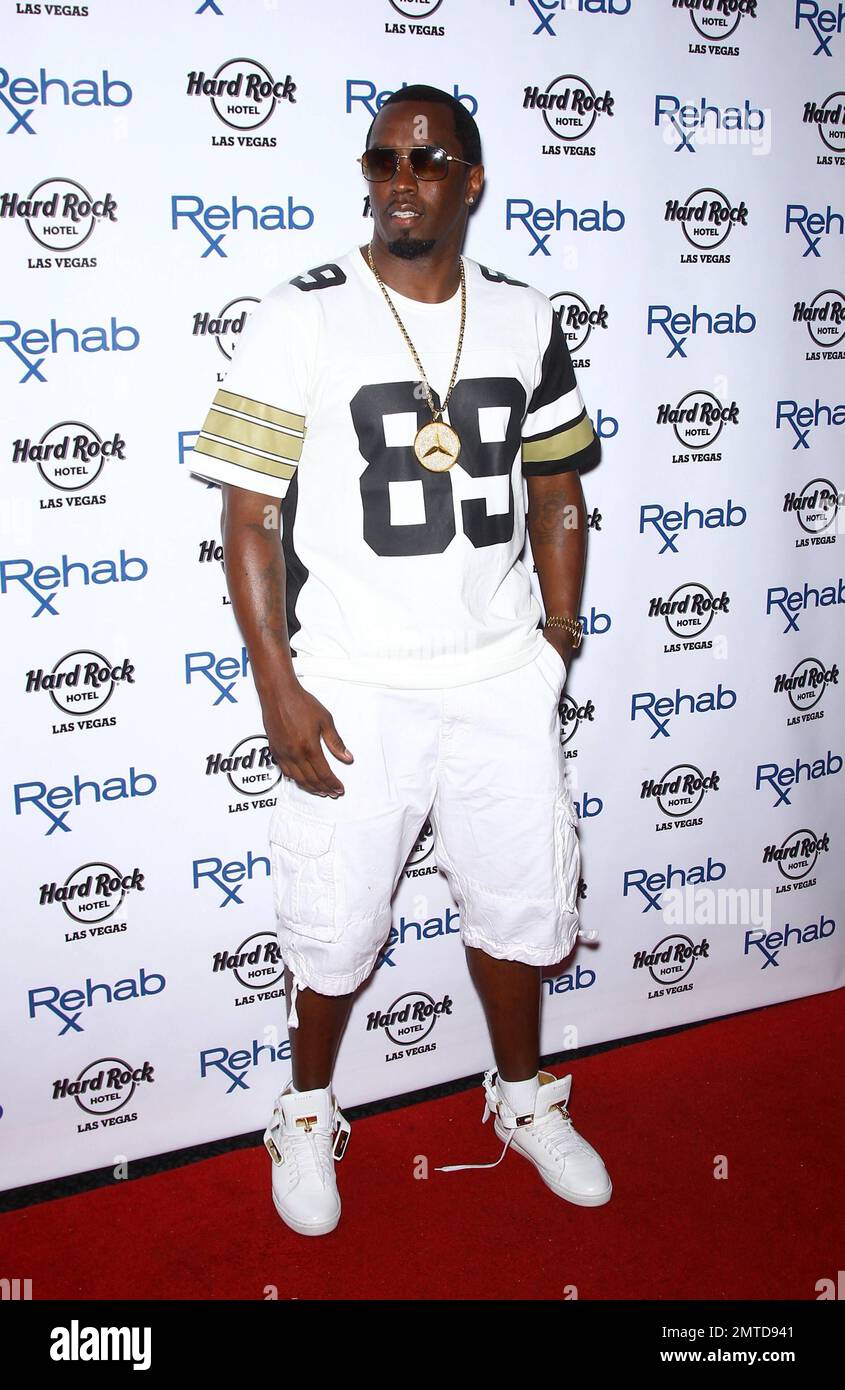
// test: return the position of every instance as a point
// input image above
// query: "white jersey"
(396, 575)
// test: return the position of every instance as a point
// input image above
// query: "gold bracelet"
(570, 625)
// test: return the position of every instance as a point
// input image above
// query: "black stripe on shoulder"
(557, 375)
(321, 277)
(498, 277)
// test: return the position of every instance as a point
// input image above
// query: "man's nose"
(404, 176)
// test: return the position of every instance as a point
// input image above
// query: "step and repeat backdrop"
(670, 174)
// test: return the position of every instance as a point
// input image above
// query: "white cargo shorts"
(483, 762)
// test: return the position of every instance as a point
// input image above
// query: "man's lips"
(404, 213)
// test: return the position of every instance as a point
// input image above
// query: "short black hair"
(465, 128)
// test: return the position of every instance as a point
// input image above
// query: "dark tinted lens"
(429, 162)
(378, 164)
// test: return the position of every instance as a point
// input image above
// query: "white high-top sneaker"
(565, 1161)
(305, 1137)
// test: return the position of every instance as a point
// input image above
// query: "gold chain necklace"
(437, 445)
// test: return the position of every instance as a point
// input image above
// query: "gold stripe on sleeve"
(559, 446)
(259, 410)
(253, 435)
(229, 453)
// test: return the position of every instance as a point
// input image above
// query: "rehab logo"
(361, 91)
(251, 771)
(801, 419)
(700, 122)
(60, 216)
(650, 883)
(668, 523)
(824, 23)
(781, 781)
(31, 346)
(679, 324)
(50, 800)
(44, 582)
(679, 794)
(540, 222)
(68, 1005)
(227, 877)
(824, 319)
(577, 321)
(234, 1066)
(243, 95)
(765, 946)
(706, 220)
(21, 96)
(791, 603)
(222, 673)
(570, 108)
(697, 422)
(687, 613)
(815, 508)
(430, 929)
(547, 11)
(214, 221)
(659, 709)
(812, 226)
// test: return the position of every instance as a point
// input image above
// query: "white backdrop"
(671, 175)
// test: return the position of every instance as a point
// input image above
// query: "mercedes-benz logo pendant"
(437, 446)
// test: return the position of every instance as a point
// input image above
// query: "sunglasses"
(427, 162)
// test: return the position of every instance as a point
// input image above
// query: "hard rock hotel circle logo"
(243, 93)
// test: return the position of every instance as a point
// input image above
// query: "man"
(393, 401)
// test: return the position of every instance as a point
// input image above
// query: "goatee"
(409, 248)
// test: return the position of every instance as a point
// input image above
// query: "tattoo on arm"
(549, 519)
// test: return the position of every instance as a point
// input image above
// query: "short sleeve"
(254, 431)
(557, 434)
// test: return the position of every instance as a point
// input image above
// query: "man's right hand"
(294, 728)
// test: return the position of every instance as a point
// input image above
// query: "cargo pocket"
(567, 851)
(302, 855)
(552, 667)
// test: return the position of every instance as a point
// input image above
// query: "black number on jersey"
(498, 277)
(397, 463)
(322, 277)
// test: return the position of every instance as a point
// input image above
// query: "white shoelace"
(308, 1150)
(557, 1144)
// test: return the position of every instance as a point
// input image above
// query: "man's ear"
(475, 183)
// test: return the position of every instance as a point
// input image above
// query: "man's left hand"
(561, 641)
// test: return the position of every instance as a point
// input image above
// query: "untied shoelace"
(568, 1136)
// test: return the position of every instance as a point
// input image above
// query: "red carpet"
(764, 1089)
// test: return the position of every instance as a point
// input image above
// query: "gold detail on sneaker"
(308, 1122)
(273, 1151)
